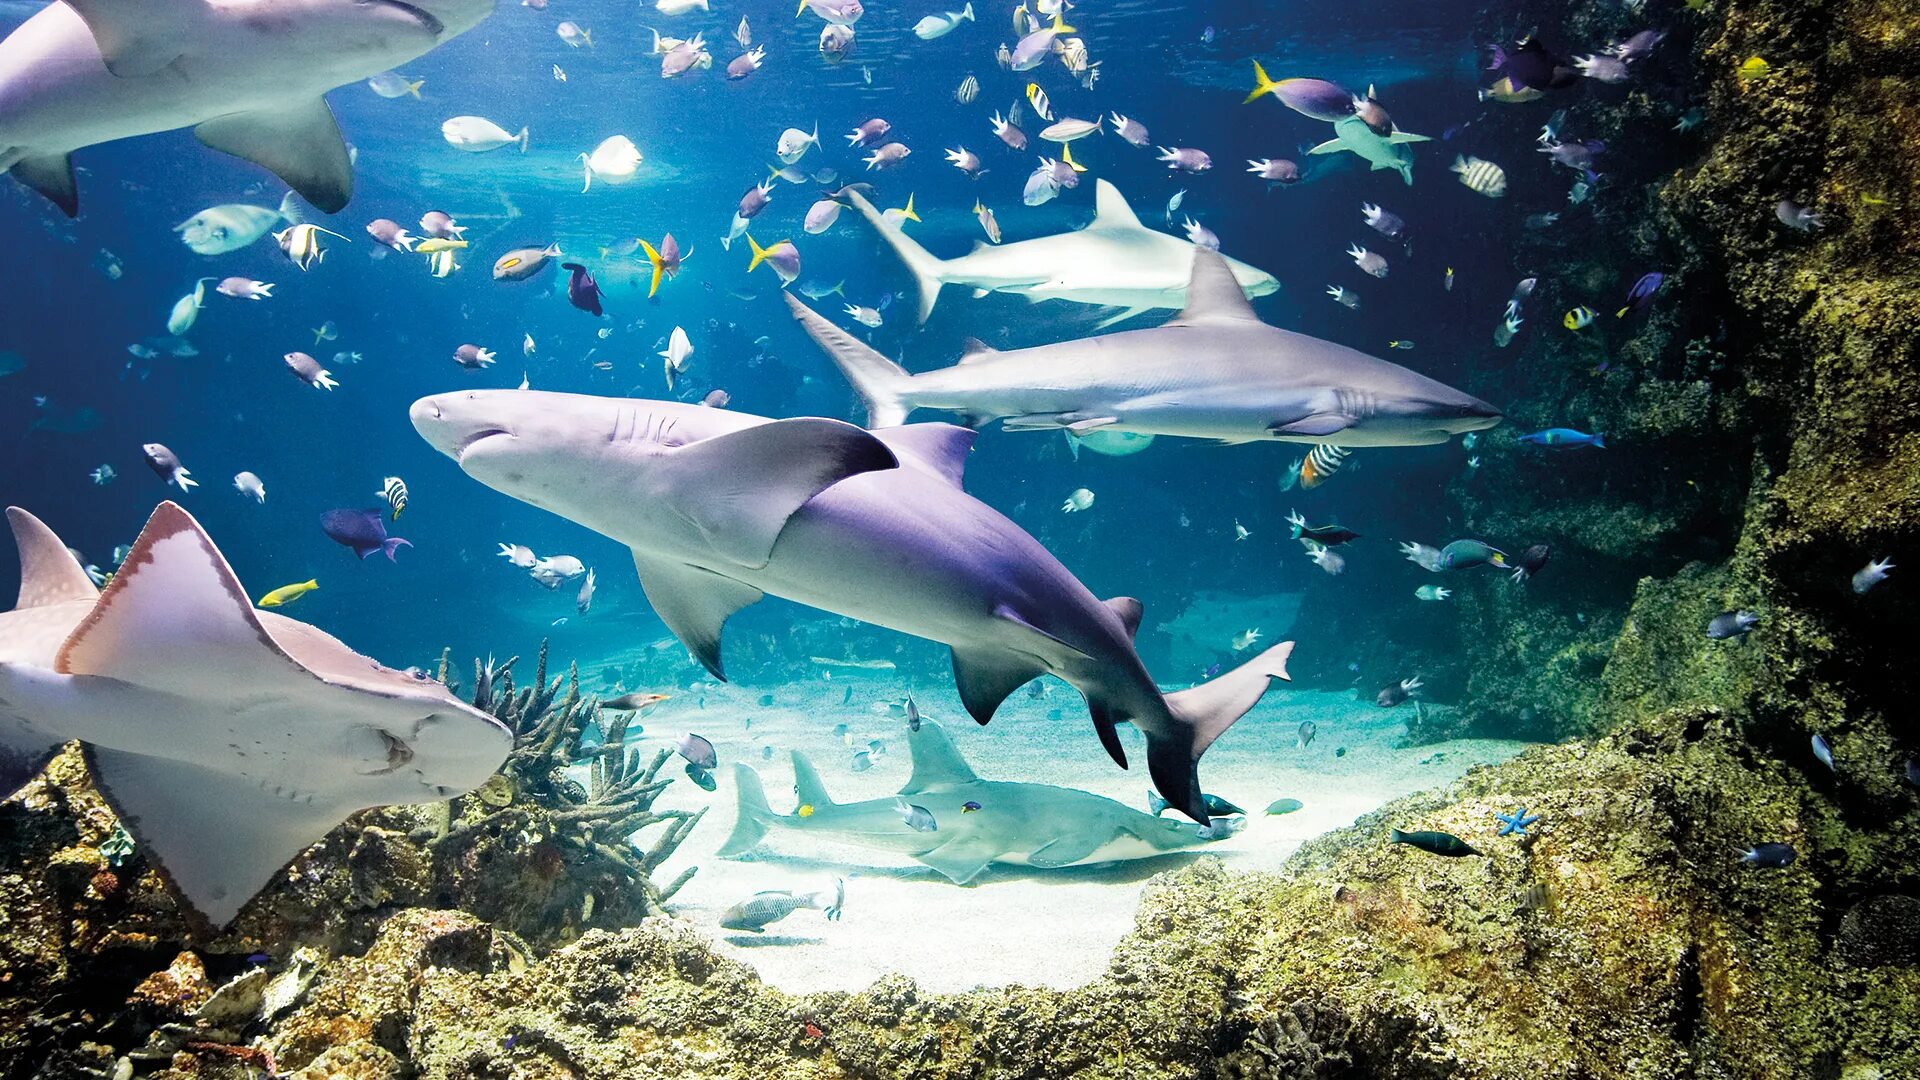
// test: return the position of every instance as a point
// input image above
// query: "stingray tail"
(928, 271)
(1200, 715)
(881, 383)
(750, 823)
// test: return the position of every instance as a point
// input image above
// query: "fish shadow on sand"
(755, 941)
(1118, 872)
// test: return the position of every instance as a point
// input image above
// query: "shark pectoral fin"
(1317, 424)
(49, 574)
(940, 447)
(962, 858)
(1106, 724)
(740, 488)
(1034, 422)
(176, 619)
(300, 144)
(1110, 209)
(935, 759)
(750, 823)
(1213, 293)
(1087, 427)
(694, 603)
(1066, 850)
(1331, 146)
(51, 175)
(987, 675)
(1408, 137)
(137, 37)
(1122, 316)
(219, 838)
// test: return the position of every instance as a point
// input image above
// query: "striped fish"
(1322, 462)
(1038, 99)
(1482, 176)
(394, 490)
(969, 89)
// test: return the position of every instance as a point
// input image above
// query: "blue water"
(1162, 526)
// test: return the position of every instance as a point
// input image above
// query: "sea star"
(1516, 822)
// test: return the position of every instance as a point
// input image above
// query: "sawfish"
(722, 508)
(1214, 372)
(976, 822)
(247, 76)
(227, 739)
(1114, 261)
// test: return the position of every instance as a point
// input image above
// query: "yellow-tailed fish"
(1580, 318)
(434, 243)
(1066, 158)
(1449, 279)
(287, 594)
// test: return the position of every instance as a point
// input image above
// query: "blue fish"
(1769, 856)
(365, 531)
(1640, 297)
(1560, 436)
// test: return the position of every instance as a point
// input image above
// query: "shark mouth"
(483, 434)
(428, 20)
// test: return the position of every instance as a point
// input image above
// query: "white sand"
(1013, 925)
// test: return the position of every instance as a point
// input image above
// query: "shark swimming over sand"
(722, 508)
(248, 77)
(1114, 261)
(1352, 135)
(1035, 825)
(1214, 372)
(226, 739)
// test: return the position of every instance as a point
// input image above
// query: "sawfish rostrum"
(227, 739)
(981, 821)
(721, 508)
(248, 77)
(1214, 372)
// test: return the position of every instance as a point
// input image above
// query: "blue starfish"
(1516, 822)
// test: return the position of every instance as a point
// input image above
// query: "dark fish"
(969, 807)
(701, 777)
(1531, 562)
(1397, 694)
(365, 531)
(1529, 66)
(1327, 535)
(717, 399)
(847, 698)
(918, 818)
(1640, 297)
(1462, 554)
(633, 702)
(1913, 772)
(1437, 843)
(1769, 856)
(1216, 806)
(582, 291)
(697, 750)
(766, 700)
(913, 713)
(1284, 806)
(1731, 624)
(1308, 729)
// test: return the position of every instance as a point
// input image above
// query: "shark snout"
(452, 422)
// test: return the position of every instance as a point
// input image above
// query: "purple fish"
(1529, 66)
(1185, 159)
(1639, 46)
(362, 530)
(1578, 156)
(1316, 98)
(1278, 170)
(869, 133)
(756, 199)
(582, 291)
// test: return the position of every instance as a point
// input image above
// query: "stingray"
(227, 739)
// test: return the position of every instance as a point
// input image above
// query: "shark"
(1214, 372)
(722, 508)
(1115, 261)
(248, 78)
(976, 822)
(227, 739)
(1352, 135)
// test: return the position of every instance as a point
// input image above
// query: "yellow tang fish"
(1754, 67)
(804, 811)
(287, 594)
(1580, 318)
(435, 243)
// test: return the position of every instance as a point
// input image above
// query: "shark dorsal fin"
(48, 572)
(973, 350)
(935, 759)
(807, 785)
(1213, 293)
(174, 593)
(942, 448)
(1128, 609)
(1110, 209)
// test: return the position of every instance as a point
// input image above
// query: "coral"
(1880, 930)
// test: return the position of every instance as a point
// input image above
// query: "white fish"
(442, 264)
(679, 7)
(230, 226)
(583, 601)
(392, 84)
(1201, 235)
(519, 555)
(559, 75)
(678, 353)
(934, 26)
(477, 135)
(186, 310)
(863, 315)
(614, 161)
(526, 346)
(1079, 500)
(571, 33)
(743, 34)
(794, 144)
(247, 483)
(301, 243)
(968, 90)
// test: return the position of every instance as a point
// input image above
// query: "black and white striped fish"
(394, 490)
(969, 89)
(1038, 99)
(1322, 462)
(1482, 176)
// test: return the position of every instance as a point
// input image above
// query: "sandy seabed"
(1013, 924)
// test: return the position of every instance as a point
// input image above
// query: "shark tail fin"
(927, 270)
(750, 824)
(807, 785)
(1200, 715)
(881, 383)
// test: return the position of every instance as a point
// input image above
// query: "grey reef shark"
(227, 739)
(1214, 372)
(248, 77)
(722, 508)
(976, 822)
(1115, 261)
